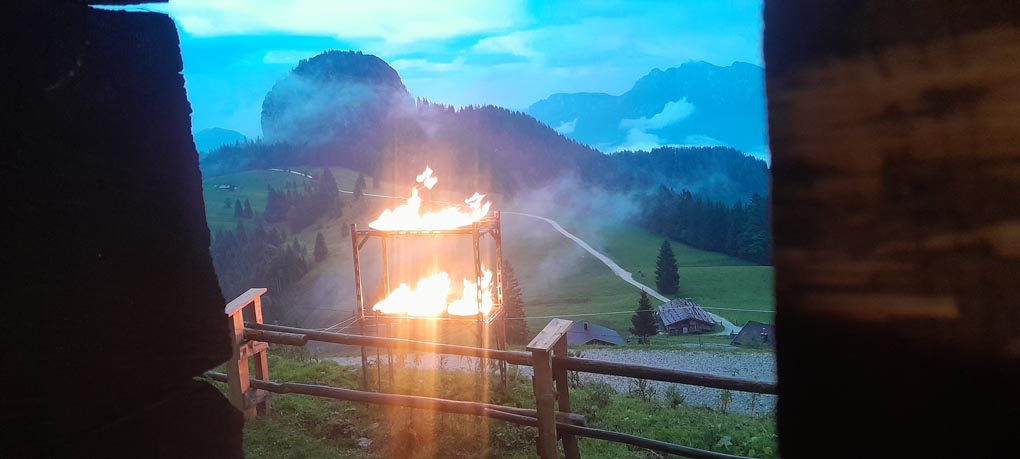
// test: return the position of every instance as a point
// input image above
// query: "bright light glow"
(430, 297)
(411, 217)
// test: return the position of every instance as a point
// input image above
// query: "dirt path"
(627, 276)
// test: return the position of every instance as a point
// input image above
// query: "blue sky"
(507, 53)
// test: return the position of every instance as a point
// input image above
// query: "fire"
(411, 216)
(431, 297)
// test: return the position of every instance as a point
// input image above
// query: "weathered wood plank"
(243, 300)
(546, 339)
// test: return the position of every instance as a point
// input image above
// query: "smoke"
(582, 209)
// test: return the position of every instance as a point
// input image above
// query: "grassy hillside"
(712, 279)
(560, 278)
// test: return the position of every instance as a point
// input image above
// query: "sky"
(506, 53)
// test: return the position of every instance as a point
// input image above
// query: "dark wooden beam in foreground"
(407, 401)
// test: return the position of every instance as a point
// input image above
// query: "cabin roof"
(682, 309)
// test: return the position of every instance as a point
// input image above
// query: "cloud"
(566, 127)
(287, 56)
(426, 65)
(515, 44)
(390, 21)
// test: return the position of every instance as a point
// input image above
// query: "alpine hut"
(682, 316)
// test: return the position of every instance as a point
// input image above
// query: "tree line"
(263, 256)
(303, 206)
(740, 230)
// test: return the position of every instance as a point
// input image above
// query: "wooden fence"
(546, 354)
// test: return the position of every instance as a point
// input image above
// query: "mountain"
(210, 139)
(695, 104)
(351, 109)
(337, 99)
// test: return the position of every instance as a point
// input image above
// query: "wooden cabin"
(682, 316)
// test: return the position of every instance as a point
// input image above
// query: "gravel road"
(758, 366)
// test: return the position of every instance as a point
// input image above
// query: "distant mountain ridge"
(697, 103)
(350, 109)
(210, 139)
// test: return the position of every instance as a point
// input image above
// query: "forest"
(740, 229)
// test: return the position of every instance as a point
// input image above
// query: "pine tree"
(320, 248)
(227, 204)
(238, 209)
(513, 305)
(643, 322)
(247, 209)
(359, 187)
(667, 277)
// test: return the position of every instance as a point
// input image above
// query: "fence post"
(249, 401)
(541, 349)
(563, 397)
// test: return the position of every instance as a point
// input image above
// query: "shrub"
(674, 397)
(642, 389)
(600, 392)
(725, 397)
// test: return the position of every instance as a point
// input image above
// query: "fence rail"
(525, 359)
(546, 354)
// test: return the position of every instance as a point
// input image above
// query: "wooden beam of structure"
(407, 401)
(524, 358)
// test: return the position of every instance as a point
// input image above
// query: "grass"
(250, 185)
(301, 426)
(586, 286)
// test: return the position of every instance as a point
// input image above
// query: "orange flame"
(410, 217)
(430, 297)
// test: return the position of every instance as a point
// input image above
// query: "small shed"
(682, 316)
(586, 333)
(755, 334)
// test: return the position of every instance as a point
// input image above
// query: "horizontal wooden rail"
(513, 357)
(662, 374)
(566, 422)
(618, 437)
(407, 401)
(524, 359)
(289, 339)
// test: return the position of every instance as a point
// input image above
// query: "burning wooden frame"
(488, 319)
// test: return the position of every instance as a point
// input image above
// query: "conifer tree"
(643, 322)
(513, 305)
(238, 209)
(227, 204)
(320, 248)
(359, 187)
(667, 277)
(247, 209)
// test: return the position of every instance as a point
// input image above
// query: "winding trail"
(627, 276)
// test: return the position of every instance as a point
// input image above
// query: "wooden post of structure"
(249, 401)
(563, 397)
(541, 349)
